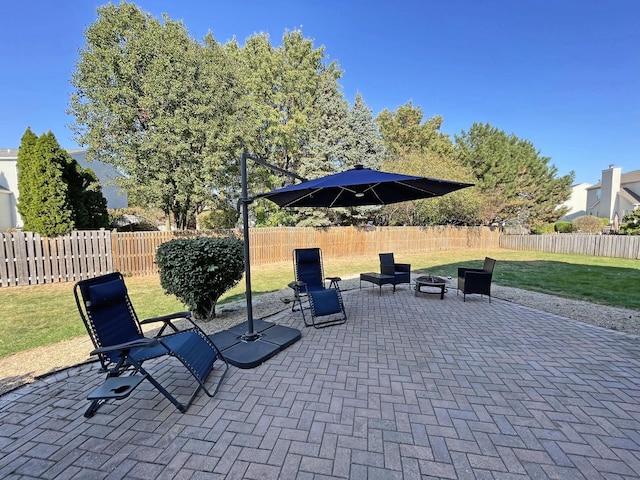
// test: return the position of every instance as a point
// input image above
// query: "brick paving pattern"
(409, 388)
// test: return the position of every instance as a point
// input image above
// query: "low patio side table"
(379, 279)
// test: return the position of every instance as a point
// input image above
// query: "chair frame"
(476, 280)
(123, 362)
(315, 283)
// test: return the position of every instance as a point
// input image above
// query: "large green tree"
(283, 85)
(155, 104)
(405, 131)
(418, 147)
(363, 145)
(297, 118)
(325, 153)
(518, 184)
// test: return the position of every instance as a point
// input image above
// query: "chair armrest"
(142, 342)
(478, 274)
(333, 279)
(299, 287)
(463, 270)
(167, 318)
(402, 267)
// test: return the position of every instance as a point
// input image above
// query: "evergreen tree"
(327, 148)
(85, 195)
(364, 145)
(519, 185)
(56, 193)
(47, 210)
(27, 176)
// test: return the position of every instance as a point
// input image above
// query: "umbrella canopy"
(361, 186)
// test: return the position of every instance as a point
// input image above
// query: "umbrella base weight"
(268, 340)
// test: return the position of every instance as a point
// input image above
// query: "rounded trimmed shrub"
(563, 227)
(199, 270)
(588, 224)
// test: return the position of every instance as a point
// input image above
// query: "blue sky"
(563, 74)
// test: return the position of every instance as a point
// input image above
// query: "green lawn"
(44, 314)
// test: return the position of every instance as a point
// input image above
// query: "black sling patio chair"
(309, 284)
(476, 280)
(122, 348)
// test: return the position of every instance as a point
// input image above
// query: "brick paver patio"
(410, 387)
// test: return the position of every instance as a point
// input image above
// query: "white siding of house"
(9, 215)
(5, 210)
(577, 202)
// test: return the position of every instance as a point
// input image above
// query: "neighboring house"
(6, 197)
(577, 203)
(9, 216)
(616, 193)
(9, 194)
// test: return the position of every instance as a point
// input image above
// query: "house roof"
(630, 195)
(8, 153)
(631, 177)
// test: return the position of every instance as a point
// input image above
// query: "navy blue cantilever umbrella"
(356, 187)
(361, 186)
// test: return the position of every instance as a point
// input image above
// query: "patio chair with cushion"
(309, 284)
(122, 348)
(400, 271)
(476, 280)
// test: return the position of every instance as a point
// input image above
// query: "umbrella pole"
(250, 335)
(250, 349)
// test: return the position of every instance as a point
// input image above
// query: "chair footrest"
(116, 387)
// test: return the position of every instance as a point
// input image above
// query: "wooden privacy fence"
(134, 253)
(27, 258)
(621, 246)
(270, 245)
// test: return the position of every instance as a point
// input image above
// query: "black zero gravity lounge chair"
(116, 333)
(310, 284)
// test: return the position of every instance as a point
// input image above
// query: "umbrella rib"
(372, 188)
(420, 189)
(342, 189)
(295, 200)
